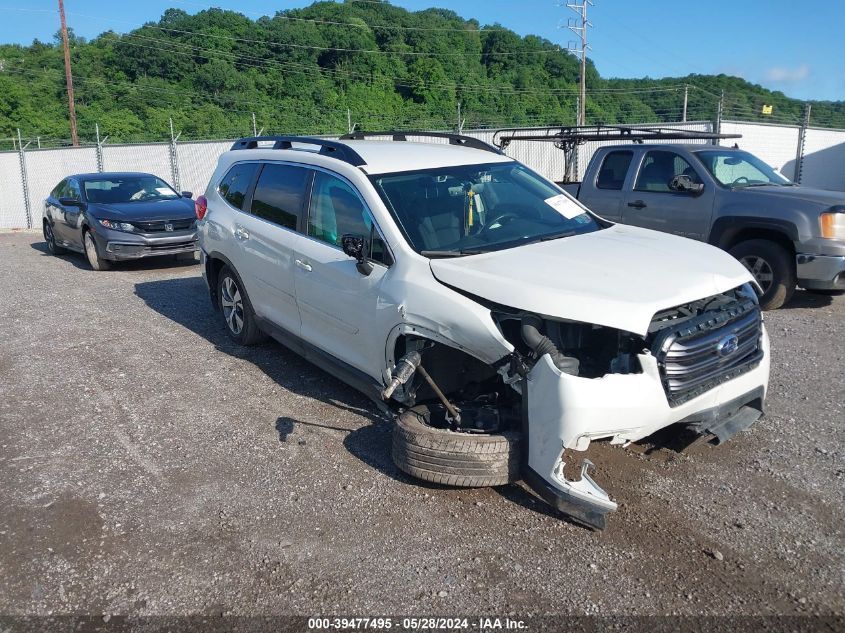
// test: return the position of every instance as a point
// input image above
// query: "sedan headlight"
(114, 225)
(833, 225)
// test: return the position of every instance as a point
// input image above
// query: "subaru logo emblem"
(168, 226)
(727, 345)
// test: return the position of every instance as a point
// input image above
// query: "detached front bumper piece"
(568, 412)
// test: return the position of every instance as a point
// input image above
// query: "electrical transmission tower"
(579, 27)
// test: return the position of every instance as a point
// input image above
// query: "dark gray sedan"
(117, 216)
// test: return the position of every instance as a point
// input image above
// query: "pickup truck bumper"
(567, 412)
(821, 272)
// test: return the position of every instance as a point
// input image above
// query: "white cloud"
(788, 75)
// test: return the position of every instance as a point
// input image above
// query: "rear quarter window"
(613, 170)
(235, 184)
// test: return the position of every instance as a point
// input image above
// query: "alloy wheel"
(232, 304)
(48, 237)
(761, 270)
(91, 250)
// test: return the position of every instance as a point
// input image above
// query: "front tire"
(237, 312)
(54, 248)
(446, 457)
(773, 268)
(93, 255)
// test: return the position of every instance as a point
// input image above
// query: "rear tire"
(773, 268)
(454, 459)
(93, 255)
(54, 248)
(237, 312)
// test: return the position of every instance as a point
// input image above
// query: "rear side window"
(279, 194)
(58, 191)
(659, 167)
(236, 182)
(613, 170)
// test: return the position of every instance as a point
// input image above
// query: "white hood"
(617, 277)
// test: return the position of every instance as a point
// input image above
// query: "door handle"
(638, 204)
(303, 265)
(241, 233)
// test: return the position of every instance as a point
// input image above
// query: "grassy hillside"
(301, 70)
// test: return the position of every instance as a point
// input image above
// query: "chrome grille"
(707, 350)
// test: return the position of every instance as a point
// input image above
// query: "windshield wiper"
(443, 254)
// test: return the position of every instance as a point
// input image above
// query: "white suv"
(505, 324)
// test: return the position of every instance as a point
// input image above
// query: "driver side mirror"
(355, 247)
(187, 194)
(70, 202)
(684, 184)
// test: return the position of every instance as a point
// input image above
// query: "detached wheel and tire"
(773, 268)
(54, 248)
(93, 255)
(455, 459)
(236, 309)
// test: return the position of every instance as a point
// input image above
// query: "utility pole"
(460, 127)
(580, 29)
(686, 97)
(254, 125)
(68, 77)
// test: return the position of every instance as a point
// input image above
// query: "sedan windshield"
(739, 169)
(470, 209)
(117, 190)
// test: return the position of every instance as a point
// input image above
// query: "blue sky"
(780, 44)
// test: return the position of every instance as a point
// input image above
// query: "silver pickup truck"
(785, 234)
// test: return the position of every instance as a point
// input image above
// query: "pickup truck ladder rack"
(569, 138)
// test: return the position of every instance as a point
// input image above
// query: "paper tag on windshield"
(164, 191)
(563, 205)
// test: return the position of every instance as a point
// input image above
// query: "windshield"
(128, 189)
(470, 209)
(739, 169)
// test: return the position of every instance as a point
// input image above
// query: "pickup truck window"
(733, 168)
(613, 170)
(659, 167)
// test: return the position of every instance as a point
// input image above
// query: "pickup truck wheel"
(772, 267)
(455, 459)
(236, 309)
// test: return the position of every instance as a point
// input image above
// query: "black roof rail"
(567, 137)
(402, 135)
(328, 147)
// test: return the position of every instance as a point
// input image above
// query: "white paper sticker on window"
(563, 205)
(164, 191)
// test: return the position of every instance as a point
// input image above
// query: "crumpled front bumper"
(568, 412)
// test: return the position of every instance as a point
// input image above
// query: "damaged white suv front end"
(610, 343)
(504, 324)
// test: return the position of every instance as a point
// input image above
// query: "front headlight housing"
(833, 224)
(114, 225)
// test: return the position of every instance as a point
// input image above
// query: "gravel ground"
(150, 467)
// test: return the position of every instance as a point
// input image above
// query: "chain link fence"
(811, 156)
